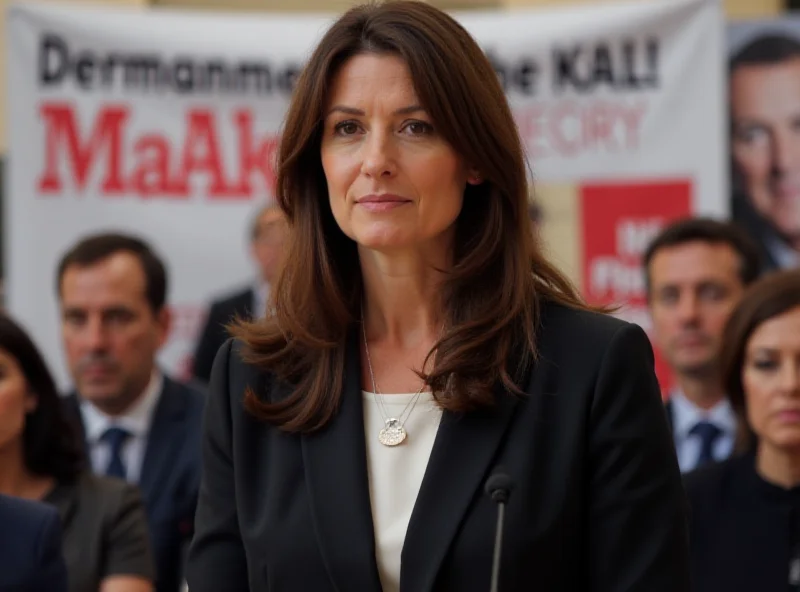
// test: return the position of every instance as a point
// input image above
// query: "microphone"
(498, 487)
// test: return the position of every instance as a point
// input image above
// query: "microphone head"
(499, 486)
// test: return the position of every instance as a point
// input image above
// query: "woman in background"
(745, 518)
(105, 538)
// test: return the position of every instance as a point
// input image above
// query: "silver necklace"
(393, 432)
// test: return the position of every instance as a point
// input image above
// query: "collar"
(261, 294)
(784, 255)
(136, 420)
(686, 414)
(261, 289)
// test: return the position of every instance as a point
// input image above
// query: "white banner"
(166, 124)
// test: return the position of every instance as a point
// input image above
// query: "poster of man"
(764, 68)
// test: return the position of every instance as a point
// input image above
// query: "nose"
(785, 151)
(688, 308)
(790, 379)
(378, 159)
(94, 335)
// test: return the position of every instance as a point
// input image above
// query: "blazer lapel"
(460, 462)
(164, 441)
(670, 411)
(338, 486)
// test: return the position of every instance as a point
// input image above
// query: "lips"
(382, 203)
(97, 371)
(382, 198)
(789, 416)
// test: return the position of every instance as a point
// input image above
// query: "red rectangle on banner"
(619, 220)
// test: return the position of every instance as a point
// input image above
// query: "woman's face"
(771, 381)
(394, 183)
(15, 400)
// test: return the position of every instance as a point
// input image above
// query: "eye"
(346, 128)
(765, 365)
(712, 292)
(418, 128)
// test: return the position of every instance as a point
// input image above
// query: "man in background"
(267, 238)
(138, 423)
(765, 145)
(696, 271)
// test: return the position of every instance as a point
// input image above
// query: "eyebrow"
(353, 111)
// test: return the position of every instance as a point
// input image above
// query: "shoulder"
(574, 334)
(233, 376)
(189, 397)
(706, 486)
(232, 299)
(231, 365)
(104, 494)
(25, 516)
(30, 546)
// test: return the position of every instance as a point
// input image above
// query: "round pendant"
(393, 434)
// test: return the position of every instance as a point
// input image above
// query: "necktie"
(708, 434)
(115, 438)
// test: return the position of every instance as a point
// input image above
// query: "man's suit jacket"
(30, 547)
(170, 476)
(214, 334)
(597, 506)
(759, 229)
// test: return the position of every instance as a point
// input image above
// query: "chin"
(787, 439)
(98, 393)
(384, 240)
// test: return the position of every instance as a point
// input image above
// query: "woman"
(104, 529)
(745, 528)
(417, 340)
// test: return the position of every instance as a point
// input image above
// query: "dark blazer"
(759, 229)
(668, 409)
(598, 504)
(170, 476)
(214, 334)
(104, 531)
(30, 547)
(745, 531)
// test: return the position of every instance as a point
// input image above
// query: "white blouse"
(395, 474)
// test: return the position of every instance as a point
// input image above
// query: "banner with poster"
(166, 124)
(764, 107)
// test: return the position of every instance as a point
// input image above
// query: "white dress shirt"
(260, 297)
(136, 421)
(685, 415)
(785, 256)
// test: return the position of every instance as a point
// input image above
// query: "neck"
(122, 404)
(704, 391)
(15, 478)
(402, 298)
(778, 466)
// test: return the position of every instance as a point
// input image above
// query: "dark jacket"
(30, 547)
(597, 505)
(745, 531)
(104, 531)
(214, 333)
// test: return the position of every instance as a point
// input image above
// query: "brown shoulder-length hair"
(769, 297)
(491, 296)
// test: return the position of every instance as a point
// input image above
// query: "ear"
(164, 320)
(474, 176)
(31, 402)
